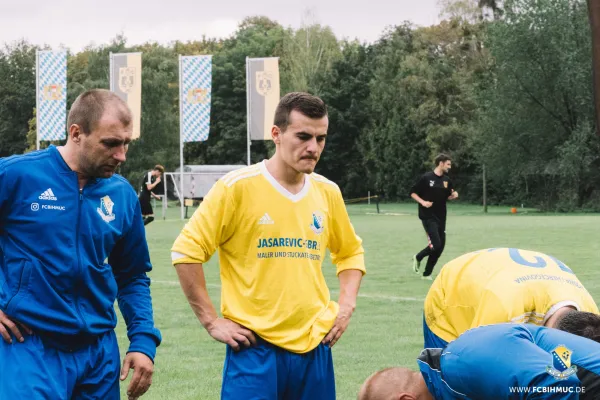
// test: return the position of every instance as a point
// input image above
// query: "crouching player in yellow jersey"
(507, 285)
(272, 223)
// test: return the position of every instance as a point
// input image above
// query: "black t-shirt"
(436, 189)
(144, 189)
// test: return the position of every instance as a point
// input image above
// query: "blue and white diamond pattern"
(196, 76)
(52, 95)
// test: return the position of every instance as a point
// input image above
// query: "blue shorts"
(432, 341)
(268, 372)
(33, 370)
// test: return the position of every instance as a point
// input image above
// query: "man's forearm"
(416, 198)
(193, 283)
(349, 284)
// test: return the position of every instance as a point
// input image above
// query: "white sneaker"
(416, 264)
(427, 278)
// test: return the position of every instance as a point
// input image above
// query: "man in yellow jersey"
(272, 223)
(507, 285)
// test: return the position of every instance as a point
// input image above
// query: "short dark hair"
(90, 105)
(442, 158)
(581, 323)
(307, 104)
(159, 168)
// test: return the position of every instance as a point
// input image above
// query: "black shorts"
(146, 205)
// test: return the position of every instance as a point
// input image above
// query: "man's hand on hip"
(228, 332)
(339, 326)
(143, 368)
(8, 326)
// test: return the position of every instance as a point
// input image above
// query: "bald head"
(394, 384)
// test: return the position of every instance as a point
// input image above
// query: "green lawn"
(386, 327)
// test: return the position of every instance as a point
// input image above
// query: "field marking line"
(388, 213)
(363, 295)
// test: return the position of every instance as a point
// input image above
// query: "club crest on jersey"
(106, 209)
(431, 183)
(561, 367)
(445, 185)
(318, 222)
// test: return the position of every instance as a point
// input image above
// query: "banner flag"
(263, 92)
(51, 99)
(126, 82)
(195, 97)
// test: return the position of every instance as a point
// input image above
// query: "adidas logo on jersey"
(48, 195)
(265, 220)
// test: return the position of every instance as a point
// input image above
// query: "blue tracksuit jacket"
(513, 361)
(67, 254)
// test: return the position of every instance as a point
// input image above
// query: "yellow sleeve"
(345, 245)
(209, 227)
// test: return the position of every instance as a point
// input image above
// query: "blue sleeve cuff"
(145, 344)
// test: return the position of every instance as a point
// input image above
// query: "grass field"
(386, 327)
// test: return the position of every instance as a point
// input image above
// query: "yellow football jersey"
(501, 285)
(272, 244)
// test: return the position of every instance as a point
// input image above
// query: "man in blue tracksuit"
(503, 361)
(71, 241)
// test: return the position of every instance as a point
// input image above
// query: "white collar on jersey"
(557, 306)
(293, 197)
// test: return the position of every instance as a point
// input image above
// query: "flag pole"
(37, 99)
(110, 72)
(248, 107)
(182, 194)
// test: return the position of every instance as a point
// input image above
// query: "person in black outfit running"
(431, 192)
(150, 181)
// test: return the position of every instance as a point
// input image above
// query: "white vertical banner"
(51, 95)
(262, 97)
(195, 94)
(126, 82)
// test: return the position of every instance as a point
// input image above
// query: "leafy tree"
(540, 106)
(17, 95)
(256, 37)
(309, 54)
(346, 92)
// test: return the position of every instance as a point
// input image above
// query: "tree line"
(506, 89)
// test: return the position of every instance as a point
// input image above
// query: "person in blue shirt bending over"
(72, 241)
(503, 361)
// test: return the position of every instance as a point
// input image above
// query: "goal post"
(197, 181)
